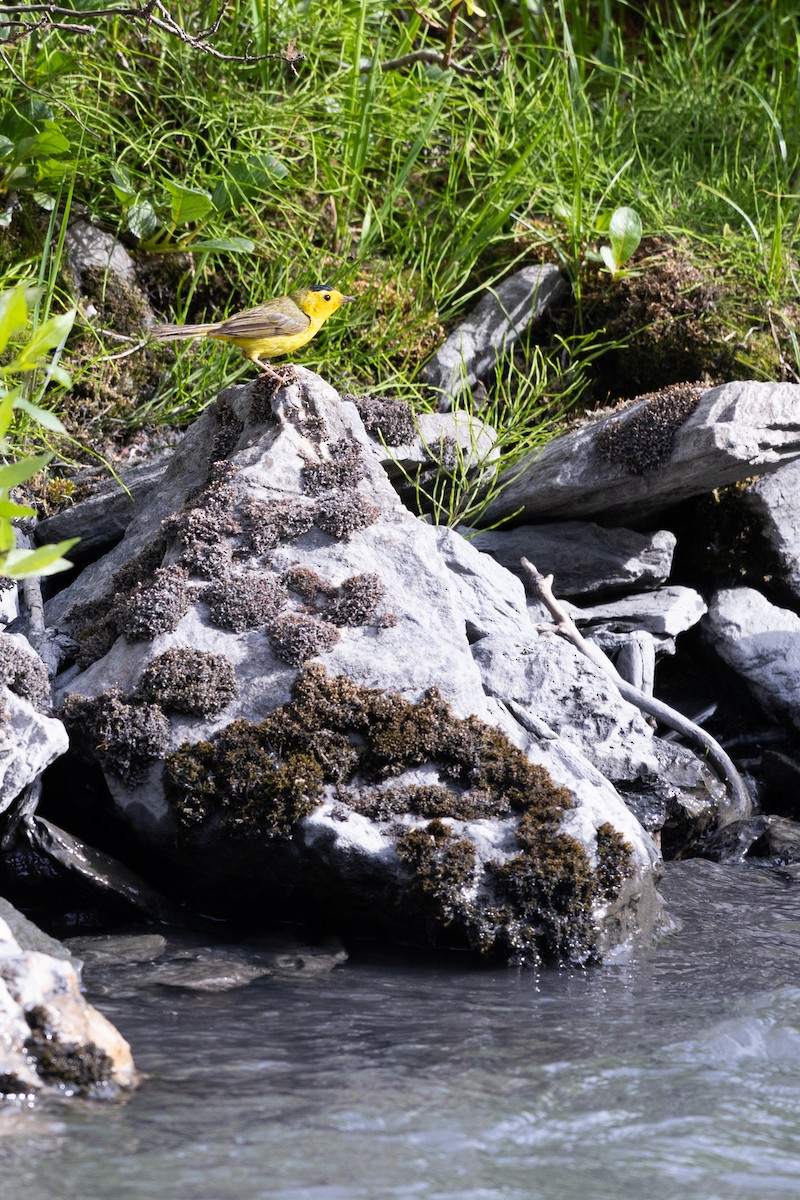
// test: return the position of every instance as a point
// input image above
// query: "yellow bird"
(270, 330)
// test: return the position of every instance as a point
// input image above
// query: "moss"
(229, 429)
(390, 418)
(94, 623)
(267, 523)
(296, 637)
(614, 861)
(427, 800)
(343, 468)
(442, 866)
(124, 734)
(189, 681)
(357, 601)
(24, 674)
(80, 1069)
(262, 392)
(244, 600)
(154, 606)
(307, 584)
(243, 783)
(644, 439)
(341, 515)
(207, 520)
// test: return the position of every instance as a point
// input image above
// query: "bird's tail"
(174, 333)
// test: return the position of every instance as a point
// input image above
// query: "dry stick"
(739, 805)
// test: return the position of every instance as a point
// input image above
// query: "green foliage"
(34, 153)
(28, 355)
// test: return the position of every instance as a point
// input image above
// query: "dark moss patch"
(357, 601)
(267, 523)
(124, 734)
(206, 521)
(643, 439)
(94, 623)
(307, 584)
(229, 429)
(295, 637)
(388, 417)
(24, 674)
(441, 864)
(189, 681)
(431, 801)
(614, 861)
(343, 468)
(262, 392)
(79, 1069)
(244, 600)
(343, 514)
(153, 607)
(244, 782)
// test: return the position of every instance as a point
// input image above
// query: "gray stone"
(29, 742)
(666, 612)
(585, 559)
(440, 594)
(761, 643)
(51, 1039)
(87, 246)
(737, 430)
(775, 500)
(102, 518)
(496, 322)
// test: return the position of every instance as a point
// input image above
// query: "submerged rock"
(277, 673)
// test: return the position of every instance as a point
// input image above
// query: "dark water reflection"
(674, 1076)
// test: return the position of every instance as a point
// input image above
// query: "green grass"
(418, 188)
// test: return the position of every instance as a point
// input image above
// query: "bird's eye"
(326, 297)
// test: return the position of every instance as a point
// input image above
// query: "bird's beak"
(345, 299)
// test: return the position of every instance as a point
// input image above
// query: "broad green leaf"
(8, 538)
(610, 262)
(625, 234)
(5, 218)
(41, 416)
(13, 314)
(52, 333)
(47, 560)
(188, 204)
(243, 180)
(9, 511)
(48, 143)
(6, 147)
(235, 245)
(142, 220)
(15, 473)
(45, 201)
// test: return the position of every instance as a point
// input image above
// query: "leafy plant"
(174, 222)
(33, 152)
(624, 236)
(29, 355)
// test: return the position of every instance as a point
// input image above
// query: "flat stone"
(774, 500)
(497, 321)
(585, 559)
(666, 612)
(628, 467)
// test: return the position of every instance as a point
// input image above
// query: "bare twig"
(433, 57)
(739, 805)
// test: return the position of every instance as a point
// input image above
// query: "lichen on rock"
(244, 600)
(153, 606)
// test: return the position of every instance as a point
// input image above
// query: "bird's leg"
(267, 370)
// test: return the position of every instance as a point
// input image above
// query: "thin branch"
(739, 804)
(433, 57)
(37, 92)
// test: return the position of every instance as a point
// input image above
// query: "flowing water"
(673, 1076)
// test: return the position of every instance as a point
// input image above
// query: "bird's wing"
(264, 321)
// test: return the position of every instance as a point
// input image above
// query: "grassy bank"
(232, 176)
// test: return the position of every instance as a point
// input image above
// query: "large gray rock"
(257, 659)
(497, 321)
(585, 559)
(761, 643)
(51, 1039)
(630, 466)
(775, 499)
(30, 739)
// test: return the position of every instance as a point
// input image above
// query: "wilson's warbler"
(270, 330)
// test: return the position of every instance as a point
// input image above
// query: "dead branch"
(739, 804)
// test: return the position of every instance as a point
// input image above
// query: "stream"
(676, 1075)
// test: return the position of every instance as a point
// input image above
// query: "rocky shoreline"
(277, 696)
